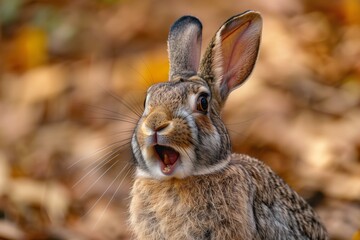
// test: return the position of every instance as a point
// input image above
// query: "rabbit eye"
(202, 103)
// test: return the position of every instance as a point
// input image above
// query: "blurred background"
(72, 80)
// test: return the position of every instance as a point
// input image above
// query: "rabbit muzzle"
(165, 143)
(158, 127)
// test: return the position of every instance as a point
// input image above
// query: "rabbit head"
(180, 133)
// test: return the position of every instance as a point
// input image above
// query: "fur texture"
(188, 185)
(246, 200)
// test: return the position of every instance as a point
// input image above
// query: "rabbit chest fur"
(244, 201)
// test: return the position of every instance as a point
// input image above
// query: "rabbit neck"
(188, 208)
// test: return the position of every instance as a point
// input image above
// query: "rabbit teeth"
(166, 169)
(167, 166)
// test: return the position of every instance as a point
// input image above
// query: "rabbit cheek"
(141, 138)
(205, 124)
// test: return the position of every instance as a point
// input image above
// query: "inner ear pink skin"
(237, 45)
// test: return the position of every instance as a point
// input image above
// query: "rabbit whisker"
(234, 131)
(105, 148)
(128, 131)
(106, 190)
(152, 81)
(113, 195)
(124, 103)
(102, 161)
(98, 179)
(136, 104)
(108, 112)
(114, 118)
(99, 164)
(247, 121)
(142, 76)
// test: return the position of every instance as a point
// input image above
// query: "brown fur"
(219, 206)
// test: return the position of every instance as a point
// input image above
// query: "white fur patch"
(214, 168)
(142, 174)
(146, 130)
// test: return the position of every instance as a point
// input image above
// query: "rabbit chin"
(182, 168)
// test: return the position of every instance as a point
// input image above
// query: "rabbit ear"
(232, 53)
(184, 47)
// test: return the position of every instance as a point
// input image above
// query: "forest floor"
(73, 75)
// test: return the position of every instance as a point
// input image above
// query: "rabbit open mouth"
(168, 158)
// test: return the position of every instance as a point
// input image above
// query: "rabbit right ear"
(232, 54)
(184, 47)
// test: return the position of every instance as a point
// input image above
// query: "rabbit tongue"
(170, 157)
(169, 160)
(166, 159)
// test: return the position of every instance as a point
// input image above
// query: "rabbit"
(188, 184)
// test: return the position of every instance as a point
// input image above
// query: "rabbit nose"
(162, 126)
(157, 121)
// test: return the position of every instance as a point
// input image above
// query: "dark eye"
(202, 103)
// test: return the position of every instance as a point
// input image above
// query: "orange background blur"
(68, 68)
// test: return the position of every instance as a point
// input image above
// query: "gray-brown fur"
(246, 200)
(184, 45)
(188, 185)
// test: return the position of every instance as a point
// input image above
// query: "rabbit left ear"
(232, 53)
(184, 47)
